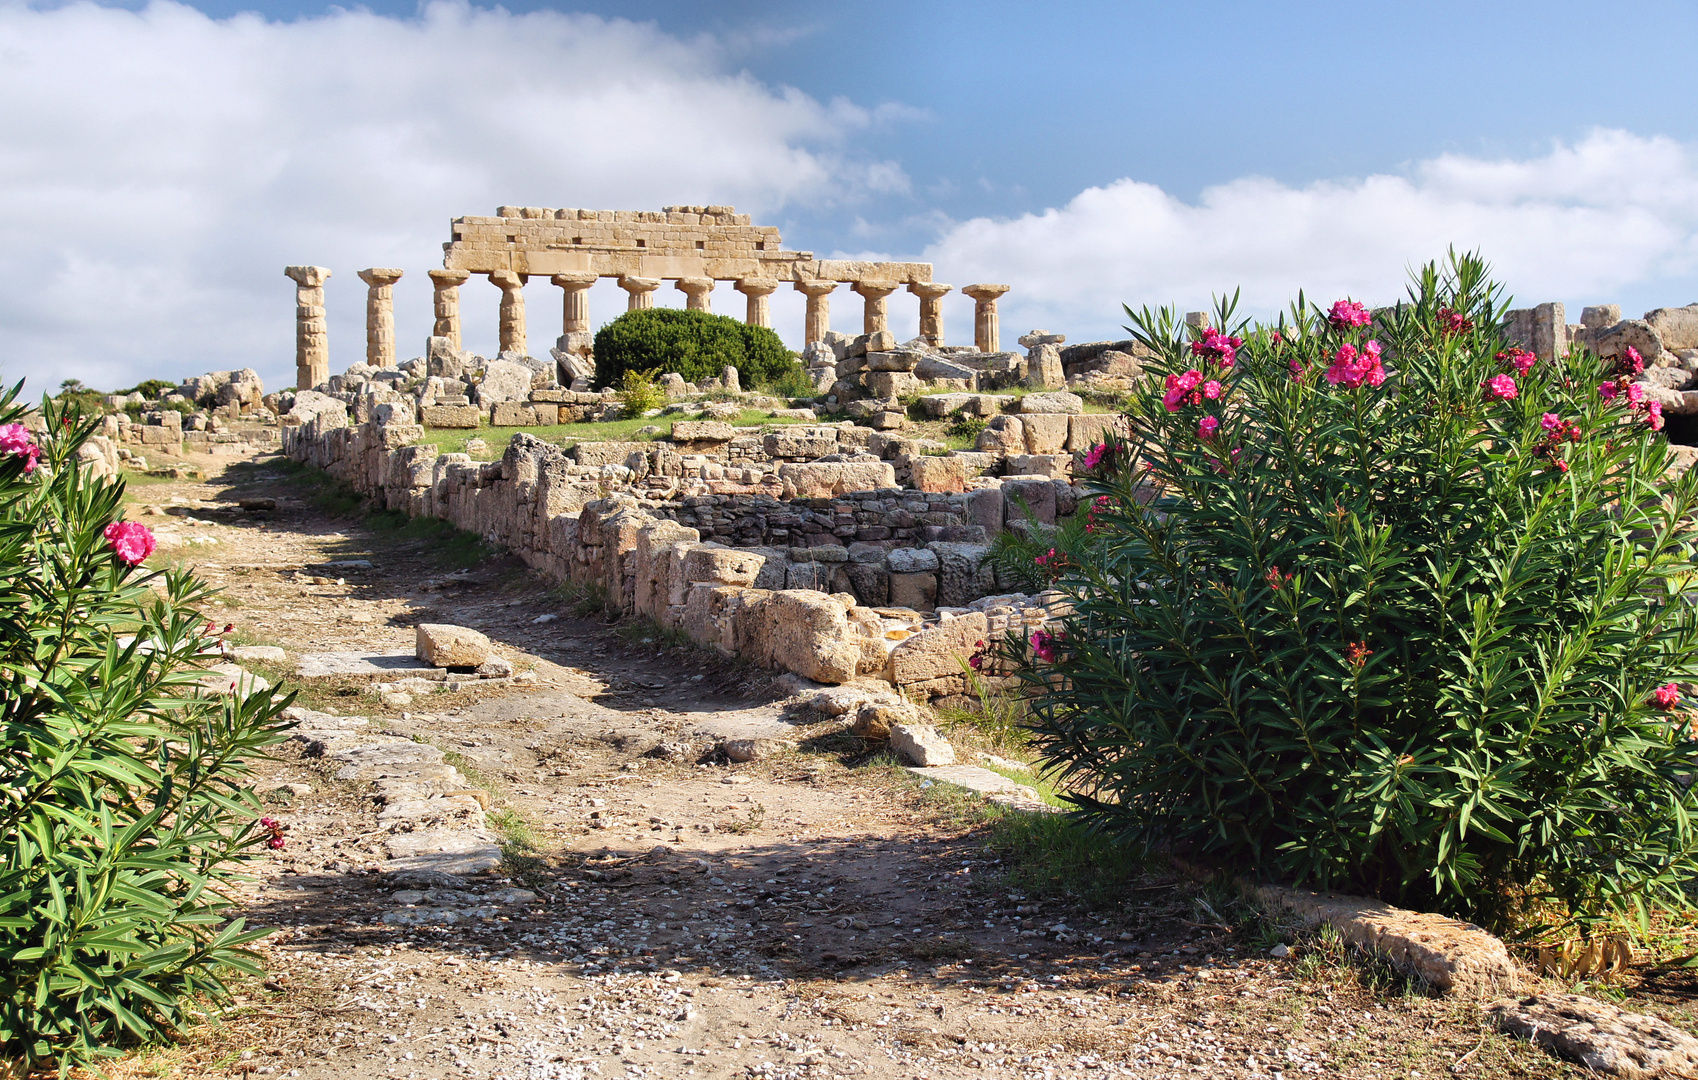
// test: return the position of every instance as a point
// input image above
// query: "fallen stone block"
(1600, 1036)
(444, 645)
(451, 416)
(447, 851)
(702, 431)
(994, 786)
(1057, 402)
(920, 744)
(385, 667)
(754, 749)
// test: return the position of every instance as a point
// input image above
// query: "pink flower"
(1630, 362)
(16, 439)
(1296, 369)
(1043, 644)
(1276, 339)
(1179, 387)
(1654, 415)
(1094, 456)
(1635, 394)
(1352, 368)
(1551, 422)
(1348, 313)
(1501, 387)
(275, 831)
(1206, 427)
(1218, 346)
(131, 540)
(1212, 389)
(1667, 696)
(1520, 359)
(1608, 391)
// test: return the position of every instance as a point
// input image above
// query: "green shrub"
(1387, 628)
(695, 344)
(639, 393)
(791, 382)
(122, 802)
(962, 426)
(152, 389)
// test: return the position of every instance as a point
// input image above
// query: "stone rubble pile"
(218, 412)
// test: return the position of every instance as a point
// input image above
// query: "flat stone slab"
(1447, 954)
(373, 667)
(1599, 1035)
(989, 784)
(448, 851)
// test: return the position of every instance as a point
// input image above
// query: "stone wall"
(834, 608)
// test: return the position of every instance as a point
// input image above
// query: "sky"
(160, 163)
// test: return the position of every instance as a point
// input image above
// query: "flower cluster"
(1452, 323)
(1183, 390)
(1277, 581)
(1356, 653)
(1628, 365)
(1098, 506)
(1519, 359)
(15, 439)
(1557, 431)
(1353, 367)
(1501, 387)
(1045, 645)
(1348, 314)
(977, 660)
(1206, 427)
(276, 833)
(1667, 696)
(1215, 345)
(131, 540)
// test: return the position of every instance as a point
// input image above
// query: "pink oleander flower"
(1043, 644)
(131, 540)
(1179, 387)
(1654, 415)
(1520, 359)
(1296, 369)
(1218, 346)
(1276, 338)
(1346, 314)
(1501, 387)
(1608, 391)
(1551, 422)
(16, 439)
(1352, 367)
(1453, 322)
(1635, 394)
(1094, 456)
(1667, 696)
(275, 831)
(1206, 427)
(1630, 362)
(1046, 558)
(1212, 389)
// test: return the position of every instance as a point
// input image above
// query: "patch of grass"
(583, 600)
(1052, 856)
(453, 440)
(743, 826)
(469, 769)
(446, 544)
(997, 716)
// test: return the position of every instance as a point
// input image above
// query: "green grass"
(453, 440)
(447, 545)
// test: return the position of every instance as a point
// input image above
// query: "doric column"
(512, 327)
(641, 290)
(698, 293)
(931, 296)
(380, 314)
(986, 328)
(447, 303)
(818, 322)
(874, 317)
(760, 308)
(575, 316)
(312, 338)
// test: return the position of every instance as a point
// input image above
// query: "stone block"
(444, 645)
(963, 575)
(1003, 435)
(1600, 316)
(939, 651)
(984, 508)
(702, 431)
(504, 380)
(1028, 496)
(1637, 333)
(929, 473)
(890, 384)
(1046, 433)
(1043, 367)
(802, 631)
(1602, 1037)
(822, 479)
(512, 414)
(921, 744)
(722, 566)
(800, 442)
(887, 420)
(451, 416)
(915, 591)
(1058, 402)
(1085, 430)
(1676, 327)
(892, 361)
(1051, 465)
(911, 561)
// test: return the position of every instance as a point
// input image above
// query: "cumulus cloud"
(158, 168)
(1614, 213)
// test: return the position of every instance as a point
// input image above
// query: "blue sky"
(161, 164)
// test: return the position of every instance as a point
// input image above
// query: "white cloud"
(158, 168)
(1613, 213)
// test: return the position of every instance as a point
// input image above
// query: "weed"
(743, 826)
(964, 427)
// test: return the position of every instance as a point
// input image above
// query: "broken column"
(931, 296)
(312, 337)
(987, 330)
(760, 307)
(641, 290)
(447, 304)
(818, 320)
(512, 326)
(575, 313)
(698, 293)
(875, 317)
(380, 314)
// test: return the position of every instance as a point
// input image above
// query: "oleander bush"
(1408, 611)
(123, 805)
(695, 344)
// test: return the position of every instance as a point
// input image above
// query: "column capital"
(756, 286)
(816, 288)
(638, 284)
(929, 290)
(507, 279)
(308, 277)
(874, 290)
(574, 281)
(984, 293)
(376, 276)
(448, 279)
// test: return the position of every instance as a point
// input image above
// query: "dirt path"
(807, 915)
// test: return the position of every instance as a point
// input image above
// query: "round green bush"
(695, 344)
(1377, 602)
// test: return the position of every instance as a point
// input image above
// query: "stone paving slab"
(992, 785)
(373, 667)
(1600, 1036)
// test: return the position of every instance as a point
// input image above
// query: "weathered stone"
(1003, 435)
(887, 420)
(451, 416)
(1085, 430)
(1029, 496)
(1600, 1036)
(1637, 333)
(1600, 316)
(800, 442)
(266, 653)
(754, 749)
(1676, 327)
(920, 744)
(821, 479)
(444, 645)
(1046, 433)
(916, 591)
(1043, 366)
(504, 380)
(874, 719)
(963, 575)
(890, 384)
(932, 473)
(892, 361)
(938, 651)
(912, 561)
(694, 431)
(371, 667)
(722, 566)
(803, 631)
(1059, 402)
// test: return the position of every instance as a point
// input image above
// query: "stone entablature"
(675, 243)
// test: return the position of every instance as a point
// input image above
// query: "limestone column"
(447, 303)
(874, 316)
(512, 327)
(641, 290)
(312, 338)
(931, 296)
(380, 315)
(986, 327)
(760, 307)
(698, 293)
(575, 314)
(818, 322)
